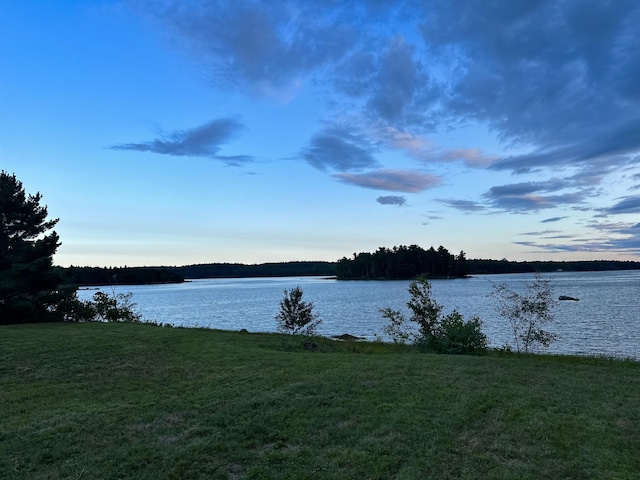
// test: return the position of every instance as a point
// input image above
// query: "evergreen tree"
(31, 288)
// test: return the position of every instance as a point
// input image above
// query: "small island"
(402, 263)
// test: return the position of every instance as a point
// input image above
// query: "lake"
(605, 320)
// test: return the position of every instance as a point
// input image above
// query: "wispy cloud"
(552, 219)
(558, 237)
(609, 239)
(235, 160)
(615, 146)
(391, 200)
(409, 181)
(539, 234)
(261, 47)
(473, 157)
(625, 205)
(532, 196)
(467, 206)
(431, 218)
(202, 141)
(525, 188)
(339, 150)
(421, 148)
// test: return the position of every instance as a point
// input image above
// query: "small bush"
(454, 335)
(107, 308)
(296, 316)
(436, 332)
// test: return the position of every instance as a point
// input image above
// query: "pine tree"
(31, 288)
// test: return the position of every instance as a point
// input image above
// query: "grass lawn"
(102, 401)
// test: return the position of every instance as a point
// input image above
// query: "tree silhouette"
(31, 288)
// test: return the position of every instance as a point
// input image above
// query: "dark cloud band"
(202, 141)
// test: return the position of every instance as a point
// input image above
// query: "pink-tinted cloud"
(409, 181)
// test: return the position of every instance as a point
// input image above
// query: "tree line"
(84, 276)
(239, 270)
(403, 262)
(479, 266)
(387, 263)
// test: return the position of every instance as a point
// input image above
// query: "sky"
(174, 132)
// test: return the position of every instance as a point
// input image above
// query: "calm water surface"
(605, 321)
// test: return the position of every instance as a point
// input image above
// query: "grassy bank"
(136, 401)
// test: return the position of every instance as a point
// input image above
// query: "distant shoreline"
(102, 276)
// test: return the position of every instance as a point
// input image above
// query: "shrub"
(436, 332)
(454, 335)
(116, 307)
(527, 313)
(296, 316)
(107, 308)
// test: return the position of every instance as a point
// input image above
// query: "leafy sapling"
(527, 313)
(295, 315)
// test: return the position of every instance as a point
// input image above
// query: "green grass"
(99, 401)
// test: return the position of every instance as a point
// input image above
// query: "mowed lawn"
(102, 401)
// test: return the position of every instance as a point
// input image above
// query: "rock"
(346, 336)
(564, 297)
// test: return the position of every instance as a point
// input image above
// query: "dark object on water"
(311, 346)
(564, 297)
(348, 337)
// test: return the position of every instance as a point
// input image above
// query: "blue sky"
(176, 132)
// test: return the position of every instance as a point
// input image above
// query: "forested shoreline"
(398, 263)
(480, 266)
(239, 270)
(96, 276)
